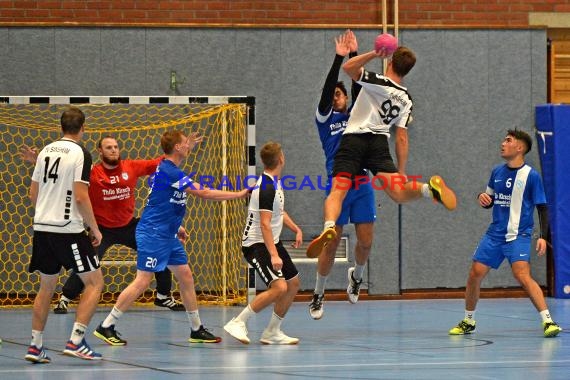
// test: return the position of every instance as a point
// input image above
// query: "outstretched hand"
(194, 139)
(341, 45)
(28, 154)
(351, 41)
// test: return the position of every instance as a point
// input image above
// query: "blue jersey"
(358, 205)
(331, 126)
(515, 194)
(166, 203)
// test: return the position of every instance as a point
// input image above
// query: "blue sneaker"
(81, 350)
(37, 355)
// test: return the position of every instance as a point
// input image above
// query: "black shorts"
(118, 235)
(258, 257)
(363, 151)
(51, 251)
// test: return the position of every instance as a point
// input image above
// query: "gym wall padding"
(553, 135)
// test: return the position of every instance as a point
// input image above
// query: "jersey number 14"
(50, 172)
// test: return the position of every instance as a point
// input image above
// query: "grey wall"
(469, 87)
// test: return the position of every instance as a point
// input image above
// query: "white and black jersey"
(381, 104)
(58, 166)
(266, 196)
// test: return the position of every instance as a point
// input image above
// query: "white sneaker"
(238, 330)
(353, 289)
(277, 337)
(316, 307)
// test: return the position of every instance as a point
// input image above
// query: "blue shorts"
(358, 206)
(154, 254)
(492, 252)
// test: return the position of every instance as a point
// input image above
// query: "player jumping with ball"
(383, 102)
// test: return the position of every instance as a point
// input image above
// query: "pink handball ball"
(386, 41)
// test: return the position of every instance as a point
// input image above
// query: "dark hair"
(270, 153)
(340, 84)
(169, 139)
(100, 142)
(521, 136)
(403, 60)
(72, 120)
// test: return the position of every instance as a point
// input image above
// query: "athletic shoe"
(37, 355)
(81, 350)
(551, 329)
(277, 337)
(316, 307)
(170, 303)
(441, 193)
(316, 247)
(238, 330)
(109, 335)
(462, 328)
(353, 289)
(60, 307)
(202, 335)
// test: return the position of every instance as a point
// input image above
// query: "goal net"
(221, 160)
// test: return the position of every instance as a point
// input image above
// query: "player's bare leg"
(332, 209)
(364, 236)
(272, 333)
(198, 333)
(106, 329)
(477, 273)
(521, 272)
(324, 267)
(411, 190)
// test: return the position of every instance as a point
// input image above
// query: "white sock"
(274, 323)
(545, 314)
(112, 318)
(469, 315)
(245, 314)
(426, 192)
(65, 299)
(37, 338)
(194, 318)
(78, 332)
(358, 272)
(161, 296)
(320, 284)
(329, 224)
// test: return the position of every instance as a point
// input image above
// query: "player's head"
(174, 142)
(340, 99)
(72, 120)
(109, 151)
(516, 142)
(272, 155)
(403, 60)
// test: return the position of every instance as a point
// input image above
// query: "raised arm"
(354, 66)
(342, 50)
(28, 154)
(353, 47)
